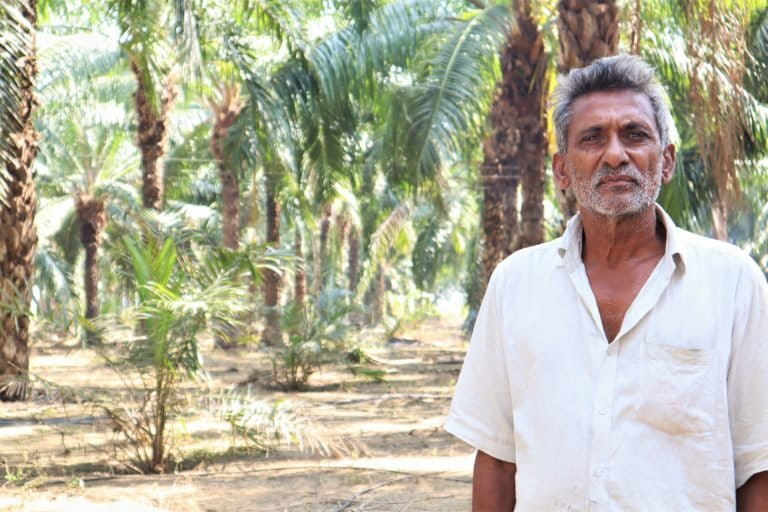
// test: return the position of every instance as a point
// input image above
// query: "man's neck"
(614, 240)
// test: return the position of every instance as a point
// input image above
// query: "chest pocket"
(677, 389)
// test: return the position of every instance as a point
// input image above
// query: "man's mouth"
(618, 180)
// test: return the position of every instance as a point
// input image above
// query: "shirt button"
(598, 473)
(603, 412)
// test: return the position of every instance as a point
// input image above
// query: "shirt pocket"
(677, 389)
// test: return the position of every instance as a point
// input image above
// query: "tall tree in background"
(154, 36)
(717, 48)
(712, 64)
(516, 147)
(225, 110)
(18, 146)
(588, 30)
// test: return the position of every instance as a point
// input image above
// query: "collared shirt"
(672, 415)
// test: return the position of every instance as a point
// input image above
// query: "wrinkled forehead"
(602, 108)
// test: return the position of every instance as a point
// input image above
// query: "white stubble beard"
(645, 192)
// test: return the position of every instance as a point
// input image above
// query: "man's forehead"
(598, 107)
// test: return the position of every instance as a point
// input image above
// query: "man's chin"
(620, 210)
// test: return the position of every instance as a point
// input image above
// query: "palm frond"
(74, 58)
(144, 40)
(381, 242)
(281, 19)
(450, 102)
(187, 37)
(54, 274)
(358, 12)
(397, 32)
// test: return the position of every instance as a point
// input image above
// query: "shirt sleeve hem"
(494, 448)
(749, 470)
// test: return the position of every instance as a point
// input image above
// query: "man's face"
(614, 163)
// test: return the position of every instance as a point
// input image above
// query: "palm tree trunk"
(498, 220)
(589, 30)
(300, 278)
(321, 262)
(515, 150)
(272, 334)
(18, 236)
(152, 137)
(531, 88)
(225, 113)
(92, 217)
(379, 296)
(353, 259)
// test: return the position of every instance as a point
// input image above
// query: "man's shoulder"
(529, 259)
(715, 254)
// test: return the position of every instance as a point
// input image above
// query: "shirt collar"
(569, 246)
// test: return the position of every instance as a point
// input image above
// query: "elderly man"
(623, 366)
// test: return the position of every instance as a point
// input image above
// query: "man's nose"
(615, 153)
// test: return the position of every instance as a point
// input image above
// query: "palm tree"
(718, 104)
(88, 154)
(516, 146)
(154, 36)
(225, 111)
(18, 146)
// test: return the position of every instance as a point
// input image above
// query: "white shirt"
(670, 416)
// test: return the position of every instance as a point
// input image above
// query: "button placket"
(600, 446)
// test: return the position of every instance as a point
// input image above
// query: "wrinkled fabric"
(672, 415)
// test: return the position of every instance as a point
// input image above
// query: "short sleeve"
(748, 377)
(481, 410)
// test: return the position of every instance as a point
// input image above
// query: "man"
(623, 366)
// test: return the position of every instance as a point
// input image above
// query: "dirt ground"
(391, 453)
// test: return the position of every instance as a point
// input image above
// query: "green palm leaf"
(449, 104)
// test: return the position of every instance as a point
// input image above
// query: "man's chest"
(670, 333)
(615, 289)
(655, 397)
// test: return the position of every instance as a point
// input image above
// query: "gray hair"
(620, 72)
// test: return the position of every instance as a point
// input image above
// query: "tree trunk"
(589, 30)
(272, 334)
(531, 88)
(353, 262)
(379, 297)
(18, 236)
(92, 216)
(338, 253)
(321, 262)
(300, 278)
(498, 220)
(515, 149)
(225, 113)
(152, 134)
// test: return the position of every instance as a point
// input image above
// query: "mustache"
(612, 172)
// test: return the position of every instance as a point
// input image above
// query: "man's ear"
(668, 164)
(562, 181)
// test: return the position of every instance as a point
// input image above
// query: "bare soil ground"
(57, 454)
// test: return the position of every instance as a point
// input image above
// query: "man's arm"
(753, 495)
(493, 484)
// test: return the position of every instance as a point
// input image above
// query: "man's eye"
(589, 138)
(637, 135)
